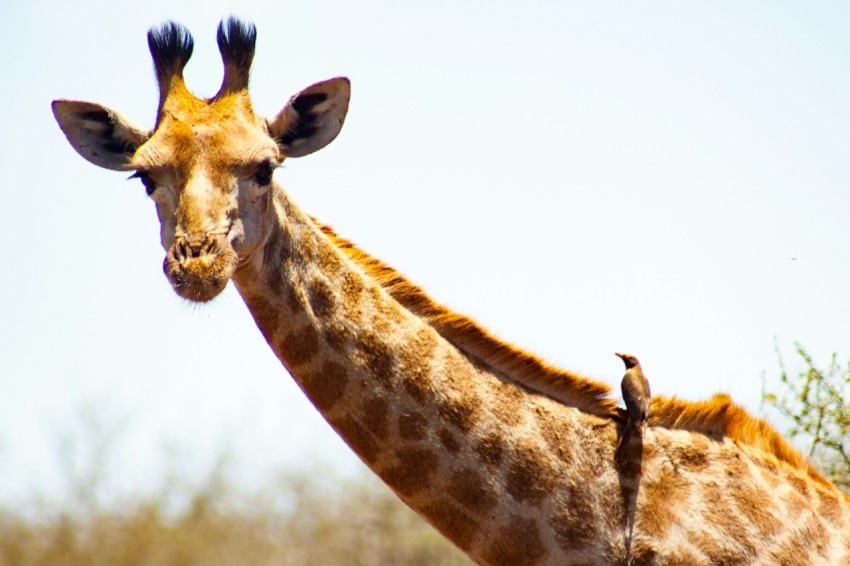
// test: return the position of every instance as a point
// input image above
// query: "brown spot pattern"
(380, 326)
(678, 556)
(329, 262)
(377, 357)
(337, 336)
(751, 504)
(351, 288)
(572, 521)
(358, 438)
(508, 404)
(644, 554)
(829, 507)
(529, 478)
(692, 457)
(456, 368)
(388, 312)
(794, 505)
(554, 431)
(274, 248)
(413, 471)
(661, 498)
(735, 539)
(462, 413)
(375, 417)
(413, 365)
(326, 386)
(490, 450)
(517, 544)
(300, 346)
(798, 484)
(424, 344)
(787, 552)
(412, 426)
(265, 314)
(290, 294)
(472, 490)
(719, 550)
(302, 252)
(416, 383)
(321, 298)
(448, 440)
(453, 522)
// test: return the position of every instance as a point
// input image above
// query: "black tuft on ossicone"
(171, 46)
(236, 41)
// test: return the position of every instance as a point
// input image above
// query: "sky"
(668, 179)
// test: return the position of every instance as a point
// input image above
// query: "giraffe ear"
(312, 118)
(99, 134)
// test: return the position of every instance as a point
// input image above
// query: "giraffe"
(507, 456)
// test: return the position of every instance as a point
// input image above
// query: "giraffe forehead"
(219, 134)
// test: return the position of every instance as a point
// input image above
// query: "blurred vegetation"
(302, 518)
(358, 522)
(813, 401)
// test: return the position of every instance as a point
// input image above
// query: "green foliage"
(813, 400)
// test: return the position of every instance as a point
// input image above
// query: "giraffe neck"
(477, 457)
(509, 476)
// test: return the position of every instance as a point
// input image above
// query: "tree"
(813, 400)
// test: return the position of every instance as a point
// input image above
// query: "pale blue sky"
(665, 178)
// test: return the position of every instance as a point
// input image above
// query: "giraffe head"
(208, 163)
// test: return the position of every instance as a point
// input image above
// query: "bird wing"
(635, 396)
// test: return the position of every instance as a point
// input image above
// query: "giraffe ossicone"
(509, 457)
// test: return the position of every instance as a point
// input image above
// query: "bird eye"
(146, 180)
(263, 174)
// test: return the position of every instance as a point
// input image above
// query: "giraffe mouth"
(199, 269)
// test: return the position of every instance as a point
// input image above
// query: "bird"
(636, 394)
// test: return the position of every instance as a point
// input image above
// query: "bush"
(304, 518)
(356, 522)
(812, 399)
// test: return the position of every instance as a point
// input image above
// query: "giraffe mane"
(716, 417)
(719, 416)
(508, 361)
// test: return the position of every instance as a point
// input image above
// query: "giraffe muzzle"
(199, 268)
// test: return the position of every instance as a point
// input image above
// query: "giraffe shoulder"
(718, 417)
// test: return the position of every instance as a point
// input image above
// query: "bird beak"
(619, 355)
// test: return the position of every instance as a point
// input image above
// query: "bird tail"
(624, 441)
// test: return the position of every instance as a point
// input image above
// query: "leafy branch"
(813, 400)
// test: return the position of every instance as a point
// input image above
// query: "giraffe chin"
(199, 279)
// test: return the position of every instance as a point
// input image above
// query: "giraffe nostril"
(183, 251)
(186, 250)
(210, 247)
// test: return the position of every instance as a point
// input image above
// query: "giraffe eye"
(146, 180)
(263, 174)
